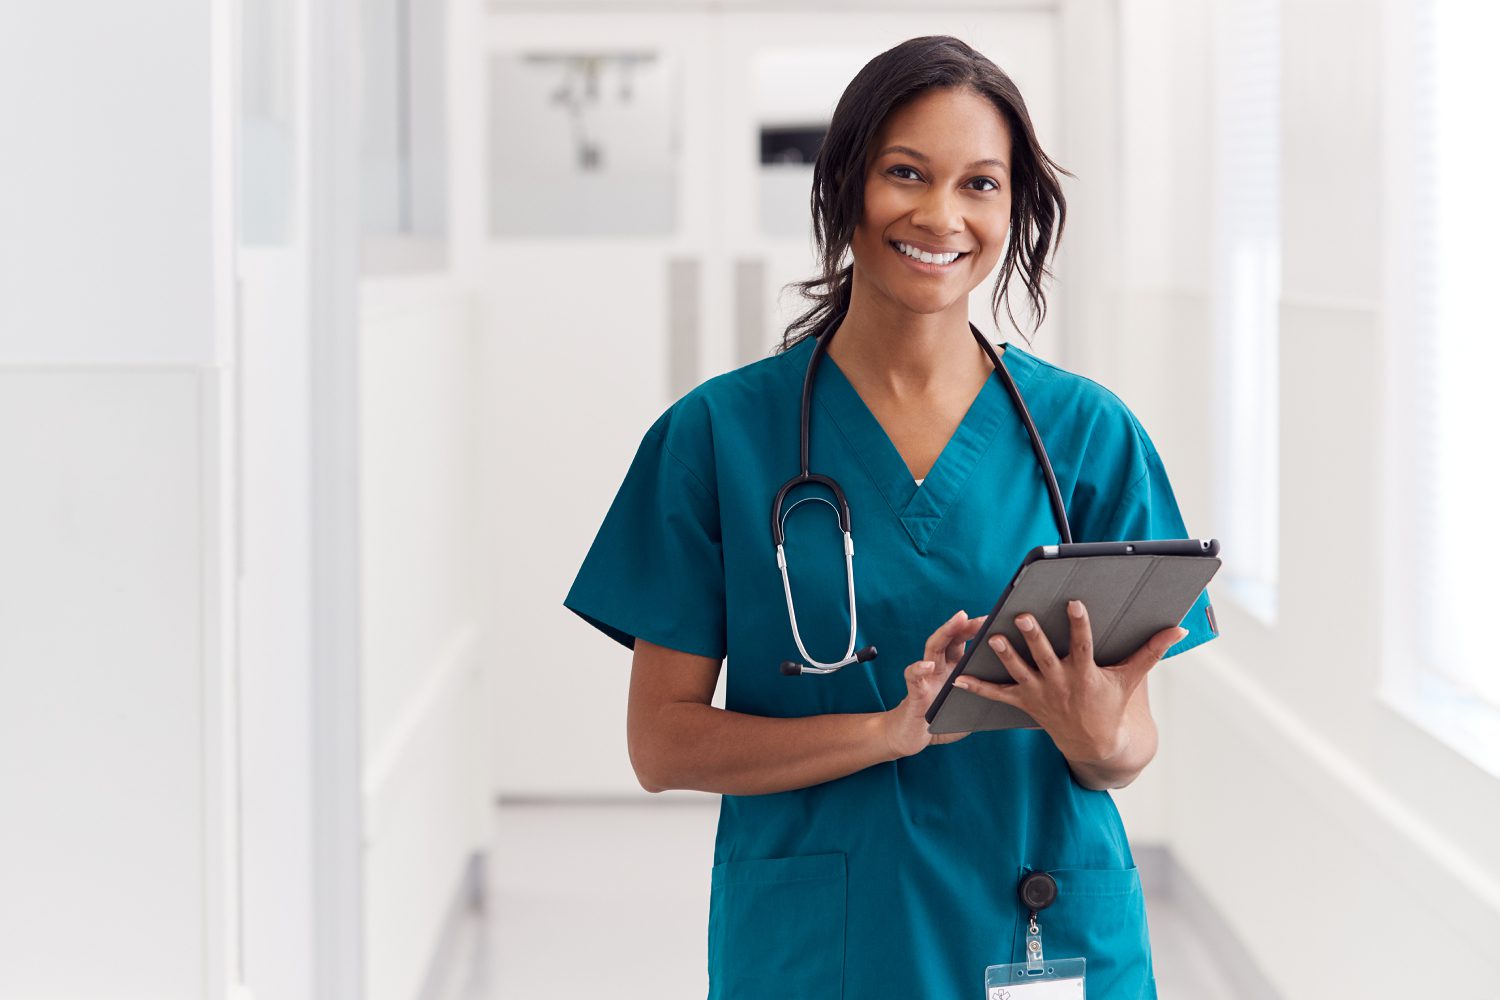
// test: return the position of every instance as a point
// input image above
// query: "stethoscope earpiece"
(792, 668)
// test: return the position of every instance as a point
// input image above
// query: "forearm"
(709, 749)
(1122, 767)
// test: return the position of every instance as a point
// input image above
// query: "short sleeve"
(1148, 509)
(656, 567)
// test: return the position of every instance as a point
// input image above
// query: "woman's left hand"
(1081, 704)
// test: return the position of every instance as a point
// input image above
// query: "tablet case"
(1132, 591)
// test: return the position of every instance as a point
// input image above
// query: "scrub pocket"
(776, 928)
(1099, 915)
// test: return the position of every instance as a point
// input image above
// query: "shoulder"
(1084, 416)
(689, 428)
(1100, 451)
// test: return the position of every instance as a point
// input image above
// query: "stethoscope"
(824, 336)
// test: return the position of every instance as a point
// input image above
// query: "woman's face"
(947, 189)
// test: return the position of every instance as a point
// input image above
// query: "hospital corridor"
(748, 499)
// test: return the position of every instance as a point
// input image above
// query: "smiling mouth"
(937, 261)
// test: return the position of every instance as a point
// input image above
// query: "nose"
(938, 212)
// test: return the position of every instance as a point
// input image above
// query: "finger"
(1042, 653)
(1008, 694)
(1080, 635)
(938, 642)
(1020, 671)
(970, 629)
(1150, 654)
(939, 638)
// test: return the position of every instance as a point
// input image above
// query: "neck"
(906, 355)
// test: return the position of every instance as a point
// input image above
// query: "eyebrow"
(924, 158)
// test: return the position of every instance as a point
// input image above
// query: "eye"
(993, 185)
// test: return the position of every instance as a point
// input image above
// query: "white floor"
(591, 900)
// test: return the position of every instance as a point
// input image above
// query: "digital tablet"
(1132, 591)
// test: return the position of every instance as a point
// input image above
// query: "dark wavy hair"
(886, 83)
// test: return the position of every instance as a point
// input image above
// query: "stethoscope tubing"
(824, 336)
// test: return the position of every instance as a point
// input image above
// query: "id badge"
(1037, 978)
(1057, 979)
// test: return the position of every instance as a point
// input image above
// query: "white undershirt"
(919, 481)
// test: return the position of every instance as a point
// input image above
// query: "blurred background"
(328, 329)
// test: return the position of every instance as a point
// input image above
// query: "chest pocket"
(1099, 915)
(776, 928)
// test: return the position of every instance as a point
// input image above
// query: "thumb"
(1155, 648)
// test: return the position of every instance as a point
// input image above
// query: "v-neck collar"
(920, 509)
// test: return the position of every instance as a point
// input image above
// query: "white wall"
(427, 716)
(105, 654)
(177, 534)
(1283, 766)
(427, 779)
(116, 826)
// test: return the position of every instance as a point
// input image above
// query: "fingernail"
(957, 614)
(1025, 623)
(1075, 608)
(963, 682)
(998, 642)
(1181, 633)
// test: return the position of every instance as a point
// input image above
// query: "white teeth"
(925, 257)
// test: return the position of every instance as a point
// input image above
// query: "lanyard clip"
(1033, 944)
(1037, 890)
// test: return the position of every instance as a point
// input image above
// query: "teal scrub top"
(898, 880)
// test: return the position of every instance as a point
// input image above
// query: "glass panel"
(267, 175)
(403, 134)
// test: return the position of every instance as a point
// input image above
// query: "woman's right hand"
(906, 724)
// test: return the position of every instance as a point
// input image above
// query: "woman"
(857, 855)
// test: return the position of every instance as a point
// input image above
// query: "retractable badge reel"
(1037, 978)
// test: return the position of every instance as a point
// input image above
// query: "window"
(1246, 291)
(1443, 210)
